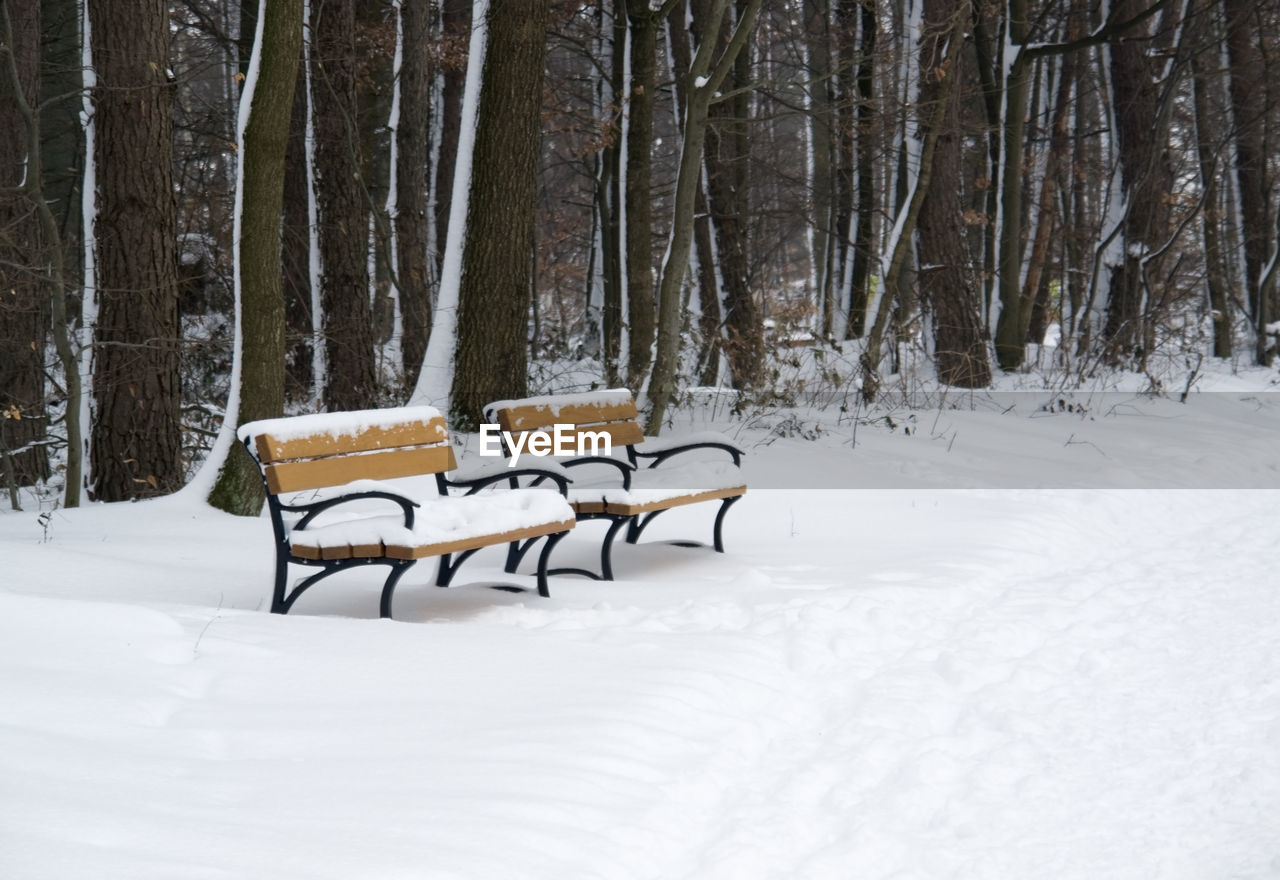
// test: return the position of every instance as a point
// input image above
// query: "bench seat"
(440, 527)
(658, 488)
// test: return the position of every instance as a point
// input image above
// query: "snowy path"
(923, 684)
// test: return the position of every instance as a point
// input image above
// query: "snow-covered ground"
(989, 642)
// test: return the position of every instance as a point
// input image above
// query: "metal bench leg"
(398, 568)
(616, 523)
(718, 533)
(543, 558)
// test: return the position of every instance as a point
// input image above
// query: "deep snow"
(1067, 668)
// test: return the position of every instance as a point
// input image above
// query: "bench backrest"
(329, 449)
(607, 412)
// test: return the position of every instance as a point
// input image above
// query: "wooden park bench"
(620, 489)
(329, 503)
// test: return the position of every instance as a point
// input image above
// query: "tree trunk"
(260, 206)
(642, 93)
(1010, 337)
(704, 81)
(824, 231)
(1207, 153)
(707, 278)
(866, 152)
(908, 215)
(24, 310)
(1249, 106)
(295, 255)
(1147, 180)
(728, 188)
(493, 305)
(137, 444)
(949, 279)
(413, 148)
(351, 382)
(609, 198)
(455, 26)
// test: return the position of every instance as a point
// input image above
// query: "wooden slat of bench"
(315, 473)
(665, 503)
(541, 416)
(418, 433)
(424, 550)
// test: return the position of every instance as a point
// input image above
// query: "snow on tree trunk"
(436, 377)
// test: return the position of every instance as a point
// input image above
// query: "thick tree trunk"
(728, 191)
(61, 133)
(493, 305)
(351, 382)
(949, 275)
(262, 323)
(643, 24)
(1147, 180)
(24, 309)
(137, 444)
(1011, 326)
(413, 149)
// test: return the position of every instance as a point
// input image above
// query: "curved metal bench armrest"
(511, 476)
(313, 509)
(625, 468)
(663, 454)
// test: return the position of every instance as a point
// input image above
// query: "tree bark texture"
(413, 156)
(295, 254)
(239, 487)
(137, 443)
(497, 258)
(949, 275)
(1249, 107)
(707, 278)
(455, 26)
(1147, 180)
(643, 88)
(24, 312)
(727, 156)
(707, 73)
(351, 382)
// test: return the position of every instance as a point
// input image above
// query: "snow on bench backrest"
(612, 412)
(330, 449)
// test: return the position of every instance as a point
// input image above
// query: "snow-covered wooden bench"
(616, 488)
(328, 500)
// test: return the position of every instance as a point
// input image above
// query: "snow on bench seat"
(440, 526)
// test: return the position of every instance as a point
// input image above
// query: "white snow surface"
(889, 677)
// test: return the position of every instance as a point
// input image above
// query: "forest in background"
(671, 192)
